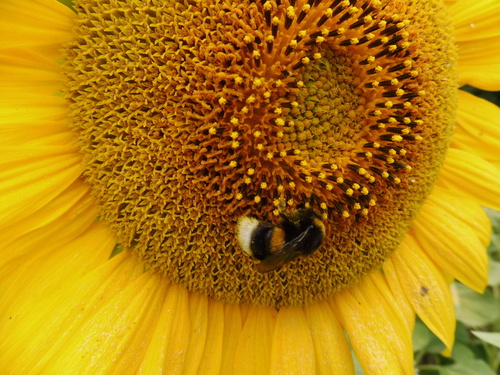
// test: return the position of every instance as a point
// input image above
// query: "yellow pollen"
(281, 188)
(329, 187)
(280, 134)
(278, 111)
(250, 171)
(308, 179)
(269, 155)
(321, 176)
(300, 84)
(257, 133)
(402, 151)
(385, 174)
(212, 131)
(294, 104)
(354, 41)
(257, 82)
(275, 21)
(341, 30)
(292, 184)
(303, 163)
(267, 94)
(260, 146)
(306, 8)
(278, 83)
(323, 205)
(396, 138)
(282, 154)
(244, 110)
(378, 68)
(235, 121)
(257, 199)
(247, 180)
(279, 121)
(317, 56)
(235, 144)
(248, 39)
(320, 39)
(222, 101)
(263, 185)
(296, 151)
(238, 80)
(345, 214)
(239, 196)
(290, 202)
(349, 192)
(364, 191)
(250, 99)
(368, 154)
(372, 202)
(388, 104)
(233, 164)
(357, 206)
(290, 12)
(306, 60)
(340, 180)
(293, 44)
(390, 160)
(397, 180)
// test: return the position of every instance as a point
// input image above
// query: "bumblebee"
(300, 232)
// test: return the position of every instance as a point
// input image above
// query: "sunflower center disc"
(191, 114)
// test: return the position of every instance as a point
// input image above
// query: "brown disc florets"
(191, 114)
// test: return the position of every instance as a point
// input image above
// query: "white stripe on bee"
(246, 227)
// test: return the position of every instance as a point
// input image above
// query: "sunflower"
(135, 135)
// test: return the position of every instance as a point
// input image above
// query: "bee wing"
(286, 253)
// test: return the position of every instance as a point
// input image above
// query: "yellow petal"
(167, 350)
(67, 301)
(33, 176)
(477, 32)
(478, 127)
(470, 213)
(293, 348)
(472, 176)
(377, 330)
(198, 313)
(46, 23)
(211, 358)
(424, 287)
(39, 115)
(331, 349)
(232, 332)
(392, 283)
(253, 353)
(450, 241)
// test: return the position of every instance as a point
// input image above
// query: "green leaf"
(492, 338)
(425, 340)
(476, 367)
(476, 309)
(493, 272)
